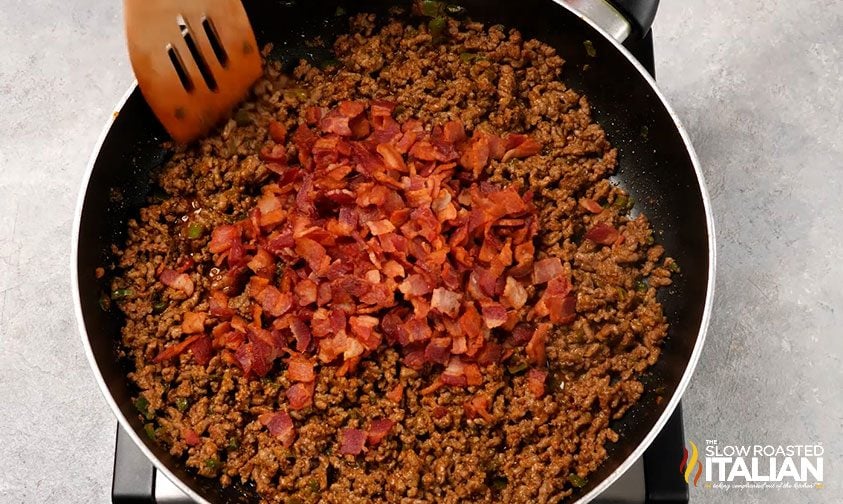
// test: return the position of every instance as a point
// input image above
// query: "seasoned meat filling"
(401, 277)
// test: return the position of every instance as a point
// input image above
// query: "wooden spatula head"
(194, 60)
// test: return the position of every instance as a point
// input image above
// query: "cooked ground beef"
(526, 449)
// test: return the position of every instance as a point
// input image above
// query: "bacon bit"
(313, 114)
(391, 157)
(302, 334)
(381, 109)
(277, 131)
(218, 304)
(352, 441)
(497, 147)
(335, 124)
(535, 382)
(438, 350)
(178, 281)
(471, 323)
(190, 437)
(491, 353)
(417, 331)
(415, 285)
(300, 368)
(494, 314)
(202, 350)
(280, 425)
(263, 264)
(193, 322)
(362, 327)
(478, 406)
(378, 430)
(300, 396)
(393, 269)
(447, 302)
(351, 109)
(304, 138)
(274, 302)
(603, 233)
(253, 358)
(176, 349)
(591, 205)
(360, 127)
(486, 281)
(312, 252)
(459, 373)
(563, 310)
(476, 156)
(523, 147)
(536, 346)
(433, 387)
(424, 151)
(514, 293)
(547, 269)
(273, 154)
(223, 237)
(522, 334)
(396, 393)
(380, 227)
(306, 292)
(453, 132)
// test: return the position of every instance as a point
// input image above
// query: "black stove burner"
(653, 479)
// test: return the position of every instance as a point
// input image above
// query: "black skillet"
(657, 165)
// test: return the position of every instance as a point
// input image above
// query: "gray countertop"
(759, 86)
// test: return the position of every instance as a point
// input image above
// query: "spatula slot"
(178, 66)
(214, 39)
(201, 63)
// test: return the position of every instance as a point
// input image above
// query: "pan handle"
(622, 19)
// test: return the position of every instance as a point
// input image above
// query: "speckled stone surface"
(759, 86)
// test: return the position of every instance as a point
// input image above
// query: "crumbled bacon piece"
(223, 237)
(280, 425)
(193, 322)
(378, 430)
(219, 305)
(602, 233)
(535, 382)
(176, 349)
(300, 395)
(277, 131)
(514, 293)
(352, 441)
(178, 281)
(202, 350)
(396, 393)
(547, 269)
(536, 346)
(591, 205)
(494, 314)
(190, 437)
(447, 302)
(478, 406)
(300, 369)
(520, 146)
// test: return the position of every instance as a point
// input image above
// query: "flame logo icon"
(686, 467)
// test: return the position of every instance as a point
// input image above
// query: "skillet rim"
(599, 488)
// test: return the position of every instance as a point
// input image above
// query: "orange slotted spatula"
(194, 60)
